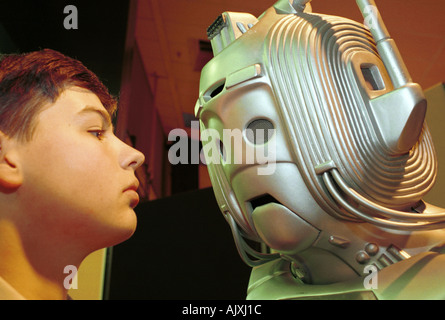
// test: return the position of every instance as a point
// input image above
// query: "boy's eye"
(97, 133)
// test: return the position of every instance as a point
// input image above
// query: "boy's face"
(78, 177)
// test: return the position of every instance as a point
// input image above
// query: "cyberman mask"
(331, 106)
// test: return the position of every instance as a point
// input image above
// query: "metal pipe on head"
(386, 46)
(300, 5)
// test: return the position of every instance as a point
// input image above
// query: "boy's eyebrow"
(102, 113)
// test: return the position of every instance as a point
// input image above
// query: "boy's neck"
(35, 274)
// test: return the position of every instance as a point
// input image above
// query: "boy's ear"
(10, 174)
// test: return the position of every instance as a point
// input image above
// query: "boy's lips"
(131, 190)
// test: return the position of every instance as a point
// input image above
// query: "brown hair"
(29, 81)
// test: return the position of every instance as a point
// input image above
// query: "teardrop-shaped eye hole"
(214, 91)
(217, 90)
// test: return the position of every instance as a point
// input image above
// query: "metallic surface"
(349, 159)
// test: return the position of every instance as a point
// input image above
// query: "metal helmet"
(330, 106)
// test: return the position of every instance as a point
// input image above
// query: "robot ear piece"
(400, 116)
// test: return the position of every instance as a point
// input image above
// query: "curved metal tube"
(244, 249)
(406, 221)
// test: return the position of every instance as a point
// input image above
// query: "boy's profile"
(67, 183)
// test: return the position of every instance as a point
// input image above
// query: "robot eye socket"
(214, 91)
(217, 90)
(259, 131)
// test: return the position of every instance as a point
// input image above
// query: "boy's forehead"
(100, 111)
(76, 101)
(94, 105)
(81, 99)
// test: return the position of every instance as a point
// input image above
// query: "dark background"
(98, 42)
(182, 249)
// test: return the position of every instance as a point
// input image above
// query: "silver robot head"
(345, 135)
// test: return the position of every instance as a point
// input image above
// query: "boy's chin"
(125, 231)
(118, 233)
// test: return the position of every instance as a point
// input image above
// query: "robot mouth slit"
(262, 200)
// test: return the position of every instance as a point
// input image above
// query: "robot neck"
(354, 247)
